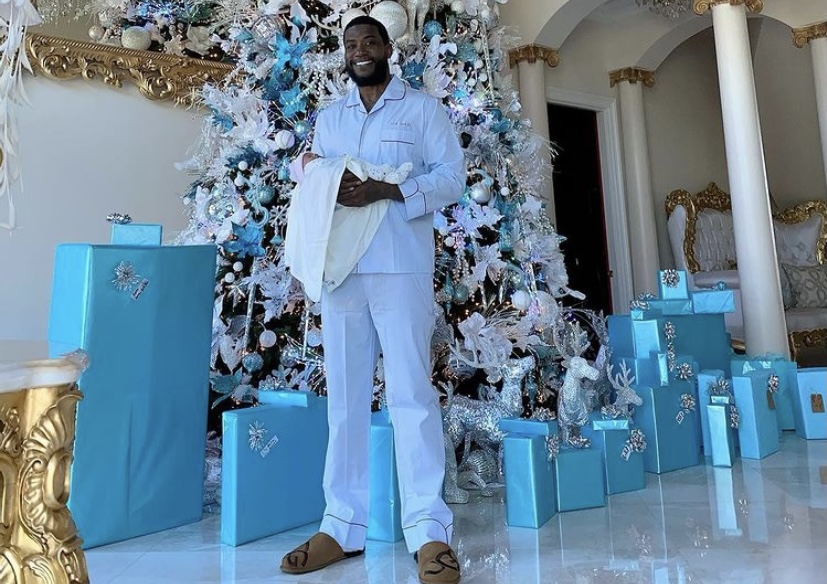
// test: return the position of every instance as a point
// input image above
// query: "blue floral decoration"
(247, 241)
(293, 101)
(412, 72)
(289, 54)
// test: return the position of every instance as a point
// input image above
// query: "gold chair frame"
(714, 198)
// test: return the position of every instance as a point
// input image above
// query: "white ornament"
(505, 191)
(136, 37)
(480, 193)
(238, 266)
(350, 15)
(96, 32)
(520, 300)
(229, 277)
(267, 339)
(393, 16)
(239, 181)
(450, 241)
(478, 64)
(243, 165)
(458, 6)
(284, 139)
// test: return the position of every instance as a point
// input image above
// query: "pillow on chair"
(795, 243)
(786, 288)
(808, 285)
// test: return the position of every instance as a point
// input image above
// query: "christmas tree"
(500, 280)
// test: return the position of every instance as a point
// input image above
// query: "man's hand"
(356, 193)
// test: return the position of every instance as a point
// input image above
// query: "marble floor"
(760, 522)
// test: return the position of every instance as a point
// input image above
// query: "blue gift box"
(810, 418)
(713, 301)
(272, 467)
(787, 372)
(529, 480)
(670, 307)
(136, 234)
(385, 511)
(703, 336)
(636, 338)
(651, 370)
(671, 430)
(705, 380)
(722, 434)
(623, 467)
(758, 430)
(578, 479)
(144, 316)
(672, 285)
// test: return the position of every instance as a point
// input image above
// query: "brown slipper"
(318, 552)
(437, 564)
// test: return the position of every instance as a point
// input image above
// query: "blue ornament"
(252, 362)
(467, 52)
(302, 129)
(461, 293)
(265, 194)
(431, 29)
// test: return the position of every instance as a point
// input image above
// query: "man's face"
(366, 56)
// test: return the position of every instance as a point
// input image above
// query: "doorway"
(578, 201)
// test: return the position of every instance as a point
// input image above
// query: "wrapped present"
(144, 316)
(273, 464)
(703, 336)
(578, 479)
(713, 301)
(385, 508)
(622, 449)
(651, 370)
(670, 307)
(667, 418)
(708, 380)
(529, 480)
(758, 428)
(785, 395)
(672, 285)
(810, 417)
(136, 234)
(723, 423)
(636, 338)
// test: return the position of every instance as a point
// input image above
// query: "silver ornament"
(96, 32)
(480, 193)
(136, 37)
(393, 16)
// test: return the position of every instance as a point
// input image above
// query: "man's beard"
(381, 71)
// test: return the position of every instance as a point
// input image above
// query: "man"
(385, 303)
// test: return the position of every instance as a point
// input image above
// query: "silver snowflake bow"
(553, 446)
(670, 278)
(773, 383)
(635, 443)
(256, 434)
(687, 405)
(125, 276)
(720, 387)
(685, 371)
(119, 218)
(642, 301)
(734, 417)
(671, 334)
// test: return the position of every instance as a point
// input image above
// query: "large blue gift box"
(810, 418)
(144, 316)
(713, 301)
(622, 464)
(385, 511)
(273, 464)
(529, 480)
(670, 428)
(578, 478)
(787, 372)
(758, 428)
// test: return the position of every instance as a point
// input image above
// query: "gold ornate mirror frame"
(158, 76)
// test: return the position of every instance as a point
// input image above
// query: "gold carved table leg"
(39, 542)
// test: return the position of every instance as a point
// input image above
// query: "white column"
(643, 238)
(531, 61)
(818, 47)
(764, 324)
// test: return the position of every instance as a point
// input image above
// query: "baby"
(325, 240)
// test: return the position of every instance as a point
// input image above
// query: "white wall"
(86, 150)
(789, 117)
(684, 127)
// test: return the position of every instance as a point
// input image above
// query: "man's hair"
(383, 32)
